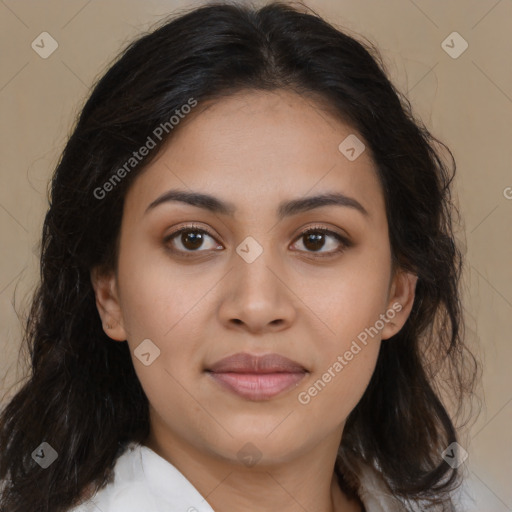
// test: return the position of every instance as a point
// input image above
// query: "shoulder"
(374, 493)
(144, 481)
(125, 493)
(377, 496)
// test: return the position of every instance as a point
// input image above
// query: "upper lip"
(246, 363)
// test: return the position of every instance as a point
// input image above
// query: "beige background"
(465, 101)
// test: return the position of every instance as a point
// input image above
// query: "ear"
(401, 299)
(107, 303)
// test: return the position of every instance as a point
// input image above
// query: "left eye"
(315, 240)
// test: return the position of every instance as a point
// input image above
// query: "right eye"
(190, 238)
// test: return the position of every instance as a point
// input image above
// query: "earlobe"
(107, 303)
(401, 300)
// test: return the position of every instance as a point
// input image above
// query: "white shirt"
(146, 482)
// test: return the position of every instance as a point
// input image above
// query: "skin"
(254, 149)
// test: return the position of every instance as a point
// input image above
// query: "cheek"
(152, 310)
(155, 296)
(349, 302)
(350, 306)
(163, 305)
(335, 389)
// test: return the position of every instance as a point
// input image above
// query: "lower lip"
(261, 386)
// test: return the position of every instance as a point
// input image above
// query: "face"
(246, 279)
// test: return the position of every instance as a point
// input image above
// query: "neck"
(304, 483)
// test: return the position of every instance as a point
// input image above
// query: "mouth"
(257, 377)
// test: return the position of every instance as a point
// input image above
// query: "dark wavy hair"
(83, 396)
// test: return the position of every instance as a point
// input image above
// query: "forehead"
(256, 149)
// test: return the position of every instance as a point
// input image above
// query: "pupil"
(193, 239)
(317, 241)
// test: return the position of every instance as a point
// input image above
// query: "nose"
(256, 298)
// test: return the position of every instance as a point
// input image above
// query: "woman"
(249, 283)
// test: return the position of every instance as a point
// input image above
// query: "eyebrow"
(285, 208)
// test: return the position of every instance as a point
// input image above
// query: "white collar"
(143, 480)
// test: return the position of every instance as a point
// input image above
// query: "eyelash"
(345, 242)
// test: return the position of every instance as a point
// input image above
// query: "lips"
(257, 377)
(246, 363)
